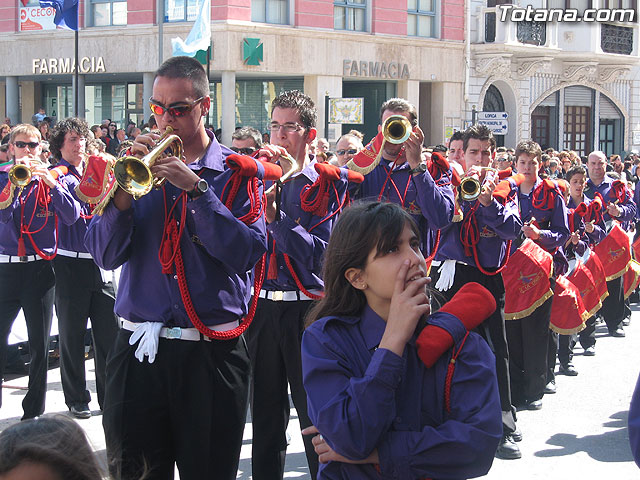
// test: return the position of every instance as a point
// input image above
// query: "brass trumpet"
(291, 171)
(470, 185)
(20, 175)
(134, 175)
(396, 129)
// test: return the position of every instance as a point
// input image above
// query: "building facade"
(565, 84)
(370, 49)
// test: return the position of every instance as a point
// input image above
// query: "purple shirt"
(554, 229)
(586, 239)
(430, 203)
(62, 203)
(302, 235)
(219, 251)
(497, 224)
(628, 208)
(71, 237)
(362, 398)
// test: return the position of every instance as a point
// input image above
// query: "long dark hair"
(361, 228)
(53, 440)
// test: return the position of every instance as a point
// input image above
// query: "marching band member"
(298, 231)
(81, 292)
(622, 209)
(402, 177)
(475, 250)
(544, 215)
(186, 262)
(28, 240)
(380, 413)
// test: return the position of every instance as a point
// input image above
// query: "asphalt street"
(580, 433)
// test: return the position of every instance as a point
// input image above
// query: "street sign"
(492, 115)
(497, 122)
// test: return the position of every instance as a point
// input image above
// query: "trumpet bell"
(396, 129)
(20, 175)
(470, 189)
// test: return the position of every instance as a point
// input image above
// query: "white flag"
(199, 37)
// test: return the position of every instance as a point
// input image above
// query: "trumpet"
(20, 175)
(134, 175)
(471, 186)
(294, 168)
(396, 129)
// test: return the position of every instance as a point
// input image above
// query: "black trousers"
(613, 306)
(528, 340)
(81, 294)
(28, 286)
(274, 340)
(188, 407)
(492, 329)
(587, 336)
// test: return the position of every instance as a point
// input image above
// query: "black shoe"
(568, 370)
(507, 449)
(516, 435)
(534, 405)
(80, 410)
(589, 351)
(618, 332)
(550, 388)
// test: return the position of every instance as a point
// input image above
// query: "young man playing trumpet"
(457, 264)
(29, 214)
(176, 390)
(81, 292)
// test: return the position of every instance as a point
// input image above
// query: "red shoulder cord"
(42, 200)
(170, 253)
(470, 237)
(450, 369)
(287, 259)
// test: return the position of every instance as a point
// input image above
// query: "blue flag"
(66, 12)
(200, 35)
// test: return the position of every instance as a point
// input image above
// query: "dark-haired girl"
(379, 411)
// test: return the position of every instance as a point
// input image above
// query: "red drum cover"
(631, 278)
(96, 180)
(526, 280)
(594, 265)
(581, 277)
(614, 253)
(635, 247)
(567, 310)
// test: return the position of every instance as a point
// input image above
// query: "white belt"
(179, 333)
(69, 253)
(16, 259)
(437, 263)
(287, 296)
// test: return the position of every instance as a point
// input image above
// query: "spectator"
(135, 131)
(322, 145)
(5, 162)
(348, 145)
(48, 447)
(114, 143)
(97, 131)
(44, 130)
(38, 117)
(266, 138)
(5, 129)
(246, 140)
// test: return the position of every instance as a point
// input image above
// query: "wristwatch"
(200, 187)
(421, 168)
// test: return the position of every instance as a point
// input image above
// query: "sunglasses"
(26, 144)
(351, 151)
(244, 151)
(175, 111)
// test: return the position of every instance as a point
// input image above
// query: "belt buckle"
(174, 333)
(23, 259)
(277, 296)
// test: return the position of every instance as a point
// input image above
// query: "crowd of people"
(276, 265)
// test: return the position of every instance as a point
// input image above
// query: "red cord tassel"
(22, 250)
(272, 273)
(166, 255)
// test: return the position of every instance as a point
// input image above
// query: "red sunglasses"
(175, 111)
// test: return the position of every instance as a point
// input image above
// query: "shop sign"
(37, 18)
(52, 66)
(355, 68)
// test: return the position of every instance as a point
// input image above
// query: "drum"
(526, 280)
(568, 312)
(631, 278)
(581, 277)
(594, 265)
(614, 253)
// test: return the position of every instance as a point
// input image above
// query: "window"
(421, 18)
(180, 10)
(108, 12)
(349, 15)
(270, 11)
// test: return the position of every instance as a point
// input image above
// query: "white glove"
(447, 272)
(149, 334)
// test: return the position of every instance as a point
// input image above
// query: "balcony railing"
(532, 33)
(616, 39)
(492, 30)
